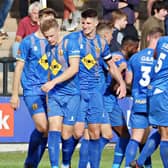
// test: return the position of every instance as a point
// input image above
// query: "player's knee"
(94, 134)
(42, 128)
(78, 134)
(66, 135)
(108, 135)
(79, 130)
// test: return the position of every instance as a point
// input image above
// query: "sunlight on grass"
(16, 159)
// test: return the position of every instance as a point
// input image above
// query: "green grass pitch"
(16, 159)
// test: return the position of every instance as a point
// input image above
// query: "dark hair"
(47, 24)
(92, 13)
(129, 39)
(158, 5)
(47, 11)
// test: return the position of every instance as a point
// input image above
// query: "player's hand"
(121, 90)
(14, 102)
(47, 86)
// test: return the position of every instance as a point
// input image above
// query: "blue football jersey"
(160, 76)
(59, 57)
(141, 64)
(92, 53)
(35, 71)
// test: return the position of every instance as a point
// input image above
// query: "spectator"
(127, 7)
(69, 8)
(4, 9)
(158, 15)
(27, 25)
(119, 22)
(149, 7)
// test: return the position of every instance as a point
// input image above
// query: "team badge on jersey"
(89, 61)
(35, 48)
(34, 106)
(55, 67)
(44, 62)
(60, 52)
(98, 50)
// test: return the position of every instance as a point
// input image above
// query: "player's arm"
(129, 73)
(15, 45)
(115, 73)
(121, 91)
(122, 65)
(67, 74)
(14, 101)
(128, 77)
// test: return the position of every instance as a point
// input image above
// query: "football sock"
(131, 151)
(41, 148)
(164, 152)
(54, 138)
(119, 152)
(150, 146)
(148, 159)
(83, 153)
(103, 142)
(94, 153)
(68, 147)
(33, 149)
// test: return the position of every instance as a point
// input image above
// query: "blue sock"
(42, 147)
(68, 147)
(94, 153)
(119, 152)
(150, 146)
(131, 151)
(103, 142)
(33, 149)
(83, 153)
(54, 138)
(164, 152)
(148, 159)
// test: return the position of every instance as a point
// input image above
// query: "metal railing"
(6, 61)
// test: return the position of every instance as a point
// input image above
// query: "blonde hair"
(103, 26)
(117, 15)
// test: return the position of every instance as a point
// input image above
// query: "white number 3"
(145, 80)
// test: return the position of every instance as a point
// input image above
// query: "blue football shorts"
(36, 104)
(91, 107)
(66, 106)
(158, 109)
